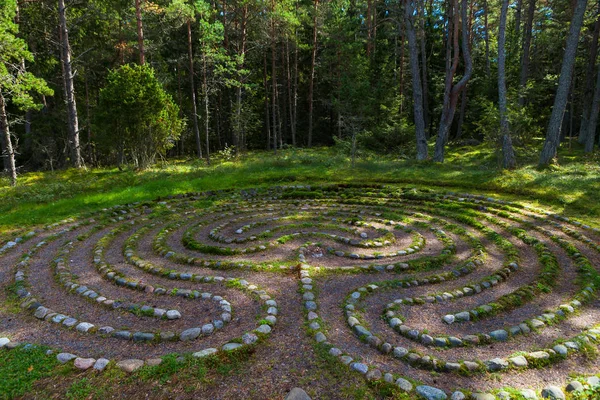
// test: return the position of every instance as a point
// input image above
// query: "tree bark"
(589, 80)
(69, 87)
(267, 116)
(424, 69)
(193, 91)
(508, 155)
(206, 108)
(311, 83)
(526, 50)
(9, 155)
(140, 31)
(291, 96)
(564, 82)
(591, 128)
(274, 79)
(487, 38)
(452, 92)
(416, 81)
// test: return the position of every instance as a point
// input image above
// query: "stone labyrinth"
(434, 292)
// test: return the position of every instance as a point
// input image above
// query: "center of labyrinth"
(423, 290)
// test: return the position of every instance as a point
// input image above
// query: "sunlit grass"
(43, 197)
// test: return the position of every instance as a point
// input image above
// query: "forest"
(89, 83)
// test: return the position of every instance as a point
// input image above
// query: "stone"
(574, 386)
(249, 338)
(483, 396)
(130, 365)
(153, 362)
(143, 337)
(70, 322)
(173, 314)
(497, 364)
(458, 396)
(264, 329)
(374, 375)
(529, 394)
(463, 316)
(499, 335)
(312, 315)
(471, 366)
(207, 329)
(3, 342)
(205, 352)
(65, 357)
(190, 334)
(297, 394)
(400, 352)
(449, 319)
(431, 393)
(404, 384)
(518, 361)
(334, 351)
(320, 337)
(101, 364)
(360, 367)
(231, 346)
(41, 312)
(84, 327)
(539, 355)
(553, 392)
(84, 363)
(389, 378)
(346, 359)
(561, 350)
(593, 381)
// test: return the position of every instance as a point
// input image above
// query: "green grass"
(44, 197)
(22, 367)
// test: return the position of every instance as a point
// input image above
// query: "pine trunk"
(311, 84)
(424, 70)
(9, 155)
(564, 82)
(589, 80)
(526, 50)
(193, 91)
(452, 92)
(206, 108)
(69, 87)
(591, 130)
(508, 155)
(416, 82)
(140, 31)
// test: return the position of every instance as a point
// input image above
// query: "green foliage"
(15, 82)
(136, 116)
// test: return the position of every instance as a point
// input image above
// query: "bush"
(137, 118)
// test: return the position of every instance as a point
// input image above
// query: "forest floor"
(290, 357)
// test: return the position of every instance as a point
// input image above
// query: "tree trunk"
(591, 129)
(424, 69)
(193, 91)
(311, 83)
(267, 116)
(452, 92)
(564, 82)
(140, 31)
(508, 155)
(90, 145)
(526, 50)
(8, 148)
(416, 82)
(69, 86)
(589, 80)
(519, 6)
(290, 95)
(274, 80)
(206, 108)
(487, 38)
